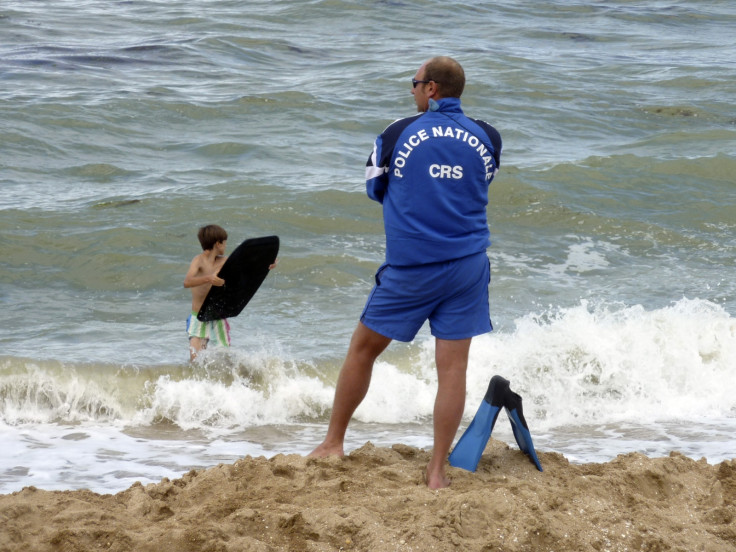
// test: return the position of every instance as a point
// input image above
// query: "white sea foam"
(591, 363)
(585, 256)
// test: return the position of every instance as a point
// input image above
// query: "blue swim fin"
(471, 445)
(519, 427)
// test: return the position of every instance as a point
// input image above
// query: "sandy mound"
(375, 500)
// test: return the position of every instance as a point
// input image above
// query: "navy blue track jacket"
(431, 172)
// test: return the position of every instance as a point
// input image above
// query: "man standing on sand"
(431, 174)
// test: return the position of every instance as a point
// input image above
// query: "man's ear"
(433, 90)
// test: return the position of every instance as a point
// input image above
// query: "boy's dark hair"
(211, 234)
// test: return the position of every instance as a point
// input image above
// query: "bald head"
(448, 74)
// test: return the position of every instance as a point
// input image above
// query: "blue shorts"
(452, 295)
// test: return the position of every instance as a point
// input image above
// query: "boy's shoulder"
(205, 258)
(198, 258)
(201, 261)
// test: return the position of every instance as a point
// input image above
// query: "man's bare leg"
(451, 357)
(352, 386)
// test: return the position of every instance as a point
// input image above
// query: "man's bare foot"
(324, 450)
(437, 481)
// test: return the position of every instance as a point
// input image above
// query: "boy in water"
(201, 276)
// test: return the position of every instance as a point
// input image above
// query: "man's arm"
(379, 163)
(376, 177)
(495, 137)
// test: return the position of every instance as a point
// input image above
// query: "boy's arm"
(193, 277)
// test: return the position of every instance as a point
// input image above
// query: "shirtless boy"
(201, 276)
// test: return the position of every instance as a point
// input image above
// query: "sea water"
(125, 126)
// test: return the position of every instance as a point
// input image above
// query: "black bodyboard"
(243, 272)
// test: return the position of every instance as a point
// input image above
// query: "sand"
(374, 500)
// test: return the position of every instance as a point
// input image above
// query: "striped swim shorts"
(217, 331)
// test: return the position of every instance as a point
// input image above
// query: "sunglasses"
(414, 82)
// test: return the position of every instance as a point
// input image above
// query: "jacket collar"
(446, 105)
